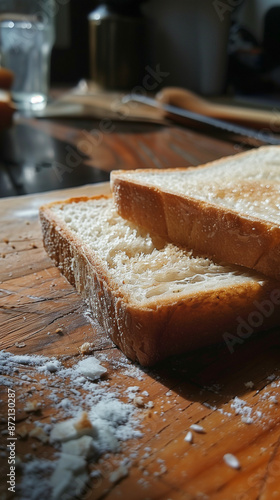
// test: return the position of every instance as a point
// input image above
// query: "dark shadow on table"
(215, 375)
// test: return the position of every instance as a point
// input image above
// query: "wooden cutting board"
(42, 314)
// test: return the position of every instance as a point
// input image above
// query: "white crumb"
(90, 368)
(86, 348)
(249, 384)
(189, 437)
(197, 428)
(231, 461)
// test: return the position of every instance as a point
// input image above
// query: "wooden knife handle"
(256, 118)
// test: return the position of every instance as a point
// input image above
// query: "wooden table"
(41, 154)
(42, 314)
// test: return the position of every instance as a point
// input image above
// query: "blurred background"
(225, 50)
(210, 46)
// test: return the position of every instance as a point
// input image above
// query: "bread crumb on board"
(59, 331)
(197, 428)
(20, 344)
(32, 406)
(188, 437)
(39, 433)
(86, 348)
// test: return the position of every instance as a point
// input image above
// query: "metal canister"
(117, 46)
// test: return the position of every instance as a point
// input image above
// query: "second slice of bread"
(153, 299)
(228, 209)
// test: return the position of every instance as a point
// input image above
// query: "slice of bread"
(6, 78)
(154, 299)
(6, 109)
(6, 106)
(228, 209)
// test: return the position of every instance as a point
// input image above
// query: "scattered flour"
(91, 420)
(36, 479)
(90, 368)
(241, 408)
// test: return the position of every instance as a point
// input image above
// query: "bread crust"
(222, 234)
(6, 110)
(6, 78)
(165, 327)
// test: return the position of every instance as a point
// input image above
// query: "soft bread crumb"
(20, 344)
(86, 348)
(138, 401)
(38, 433)
(83, 423)
(83, 446)
(31, 406)
(131, 257)
(73, 429)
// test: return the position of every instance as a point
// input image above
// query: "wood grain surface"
(43, 314)
(42, 155)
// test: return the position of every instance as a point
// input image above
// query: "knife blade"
(259, 135)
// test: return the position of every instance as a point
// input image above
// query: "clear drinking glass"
(26, 41)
